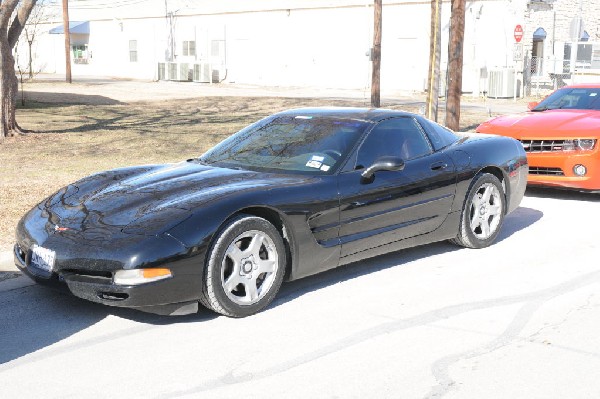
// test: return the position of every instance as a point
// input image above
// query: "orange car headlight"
(579, 145)
(585, 144)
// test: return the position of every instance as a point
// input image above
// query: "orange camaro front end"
(561, 137)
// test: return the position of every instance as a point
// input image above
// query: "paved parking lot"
(519, 319)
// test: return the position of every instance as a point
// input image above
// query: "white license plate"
(43, 258)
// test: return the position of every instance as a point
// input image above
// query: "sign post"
(517, 52)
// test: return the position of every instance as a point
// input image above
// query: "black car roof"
(365, 114)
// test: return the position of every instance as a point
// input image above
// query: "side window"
(439, 135)
(400, 137)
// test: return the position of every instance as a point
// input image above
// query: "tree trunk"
(13, 94)
(433, 80)
(376, 73)
(9, 84)
(30, 59)
(455, 63)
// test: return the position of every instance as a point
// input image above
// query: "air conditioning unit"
(179, 71)
(202, 73)
(501, 83)
(216, 76)
(162, 71)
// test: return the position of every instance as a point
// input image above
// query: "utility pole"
(169, 25)
(455, 63)
(65, 4)
(376, 55)
(433, 81)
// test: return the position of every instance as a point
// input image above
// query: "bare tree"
(13, 16)
(40, 15)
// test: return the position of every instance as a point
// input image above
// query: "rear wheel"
(245, 267)
(483, 213)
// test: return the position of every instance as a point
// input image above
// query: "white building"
(320, 43)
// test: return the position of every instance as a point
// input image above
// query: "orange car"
(560, 136)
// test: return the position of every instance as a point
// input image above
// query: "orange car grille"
(545, 145)
(538, 170)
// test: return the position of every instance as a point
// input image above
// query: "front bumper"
(556, 169)
(176, 295)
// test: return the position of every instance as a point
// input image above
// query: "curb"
(7, 263)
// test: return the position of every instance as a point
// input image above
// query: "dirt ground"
(100, 124)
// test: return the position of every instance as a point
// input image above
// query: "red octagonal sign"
(518, 33)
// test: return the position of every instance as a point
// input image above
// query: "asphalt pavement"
(519, 319)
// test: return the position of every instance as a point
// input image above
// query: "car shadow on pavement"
(518, 220)
(35, 317)
(556, 193)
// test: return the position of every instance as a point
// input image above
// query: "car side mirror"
(532, 105)
(392, 164)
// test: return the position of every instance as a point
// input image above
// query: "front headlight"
(585, 144)
(579, 145)
(140, 276)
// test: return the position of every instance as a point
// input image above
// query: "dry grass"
(77, 140)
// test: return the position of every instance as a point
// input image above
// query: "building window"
(133, 54)
(537, 52)
(80, 53)
(189, 48)
(588, 56)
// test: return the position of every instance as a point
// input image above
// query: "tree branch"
(6, 9)
(19, 22)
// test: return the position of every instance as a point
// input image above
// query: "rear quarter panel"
(502, 156)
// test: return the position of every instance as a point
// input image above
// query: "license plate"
(43, 258)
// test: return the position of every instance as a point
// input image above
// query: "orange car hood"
(557, 123)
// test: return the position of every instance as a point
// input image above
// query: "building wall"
(319, 43)
(557, 18)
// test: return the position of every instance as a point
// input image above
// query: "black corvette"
(291, 195)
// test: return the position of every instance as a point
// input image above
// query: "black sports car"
(291, 195)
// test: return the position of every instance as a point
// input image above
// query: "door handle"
(439, 166)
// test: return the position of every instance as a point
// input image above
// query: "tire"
(483, 213)
(245, 267)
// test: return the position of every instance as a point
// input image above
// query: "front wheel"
(483, 213)
(245, 267)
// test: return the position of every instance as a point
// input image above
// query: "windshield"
(571, 98)
(303, 144)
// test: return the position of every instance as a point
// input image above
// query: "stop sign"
(518, 33)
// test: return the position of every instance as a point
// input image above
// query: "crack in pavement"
(441, 368)
(532, 301)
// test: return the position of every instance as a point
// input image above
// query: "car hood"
(557, 123)
(150, 200)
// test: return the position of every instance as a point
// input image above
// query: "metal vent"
(202, 73)
(162, 71)
(539, 170)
